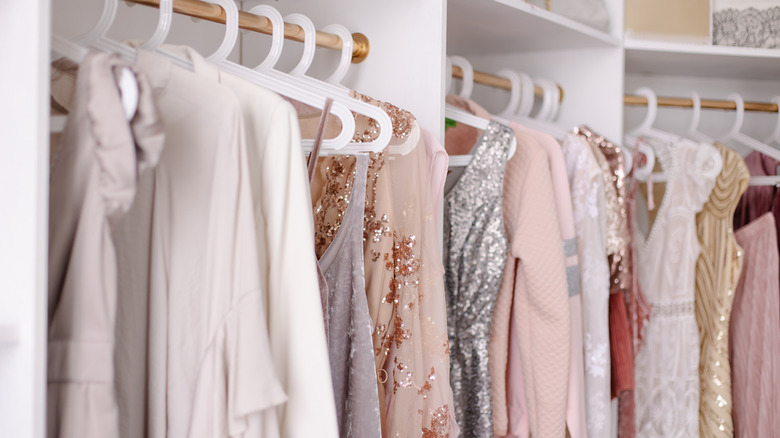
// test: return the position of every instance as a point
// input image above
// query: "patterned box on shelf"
(746, 23)
(592, 13)
(683, 21)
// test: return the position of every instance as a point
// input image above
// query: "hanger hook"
(514, 91)
(231, 30)
(696, 117)
(163, 26)
(309, 42)
(468, 75)
(277, 35)
(652, 108)
(737, 127)
(103, 24)
(547, 100)
(526, 95)
(551, 99)
(346, 52)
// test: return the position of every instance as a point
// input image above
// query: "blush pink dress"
(754, 333)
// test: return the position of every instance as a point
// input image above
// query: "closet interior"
(410, 53)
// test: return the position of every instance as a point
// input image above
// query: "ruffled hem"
(237, 383)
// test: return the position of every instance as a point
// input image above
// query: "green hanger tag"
(449, 123)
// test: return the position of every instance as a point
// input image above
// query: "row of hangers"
(646, 129)
(518, 110)
(294, 84)
(522, 100)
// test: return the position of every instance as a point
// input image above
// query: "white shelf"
(661, 58)
(508, 26)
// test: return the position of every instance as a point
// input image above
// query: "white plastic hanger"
(646, 129)
(76, 50)
(692, 127)
(459, 115)
(775, 136)
(521, 102)
(736, 135)
(338, 93)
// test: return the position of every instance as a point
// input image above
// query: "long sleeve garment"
(192, 271)
(717, 274)
(536, 275)
(575, 407)
(589, 205)
(94, 178)
(285, 240)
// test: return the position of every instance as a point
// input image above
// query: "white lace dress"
(667, 366)
(590, 223)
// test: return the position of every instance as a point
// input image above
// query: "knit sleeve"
(541, 299)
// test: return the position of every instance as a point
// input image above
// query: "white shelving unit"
(409, 42)
(505, 26)
(648, 57)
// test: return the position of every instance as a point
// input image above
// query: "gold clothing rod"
(682, 102)
(256, 23)
(496, 81)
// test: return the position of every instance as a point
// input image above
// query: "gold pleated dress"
(717, 273)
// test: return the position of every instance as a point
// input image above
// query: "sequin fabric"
(717, 273)
(338, 173)
(402, 120)
(610, 159)
(404, 284)
(474, 255)
(618, 238)
(349, 325)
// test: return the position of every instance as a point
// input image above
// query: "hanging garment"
(93, 182)
(667, 366)
(510, 410)
(535, 276)
(575, 406)
(474, 255)
(348, 322)
(754, 332)
(421, 354)
(717, 274)
(610, 158)
(404, 283)
(759, 199)
(509, 396)
(192, 273)
(589, 206)
(438, 162)
(281, 199)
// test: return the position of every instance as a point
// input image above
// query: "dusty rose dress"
(754, 333)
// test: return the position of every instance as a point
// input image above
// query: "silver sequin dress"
(474, 255)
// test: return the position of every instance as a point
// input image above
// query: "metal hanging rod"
(496, 81)
(682, 102)
(212, 12)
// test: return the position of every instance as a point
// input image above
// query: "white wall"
(24, 162)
